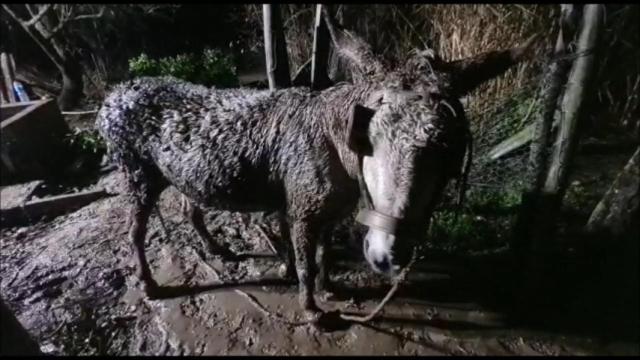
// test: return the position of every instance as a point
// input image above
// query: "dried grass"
(459, 30)
(464, 30)
(454, 31)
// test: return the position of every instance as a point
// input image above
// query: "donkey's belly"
(233, 185)
(242, 196)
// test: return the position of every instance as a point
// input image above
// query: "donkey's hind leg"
(285, 250)
(196, 218)
(322, 277)
(145, 197)
(145, 184)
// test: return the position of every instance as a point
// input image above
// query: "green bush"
(183, 66)
(143, 66)
(218, 69)
(86, 141)
(469, 232)
(483, 225)
(211, 68)
(494, 201)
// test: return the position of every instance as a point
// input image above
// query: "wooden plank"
(514, 142)
(9, 110)
(15, 339)
(32, 135)
(17, 195)
(52, 206)
(7, 75)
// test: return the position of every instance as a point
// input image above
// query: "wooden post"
(320, 58)
(533, 222)
(275, 48)
(552, 85)
(536, 226)
(577, 85)
(3, 98)
(7, 74)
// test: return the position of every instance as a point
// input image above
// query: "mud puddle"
(71, 282)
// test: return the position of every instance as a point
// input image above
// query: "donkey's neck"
(334, 111)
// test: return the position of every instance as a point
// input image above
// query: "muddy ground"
(71, 282)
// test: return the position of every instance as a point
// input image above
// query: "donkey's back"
(215, 146)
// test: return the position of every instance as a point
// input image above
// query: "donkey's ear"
(358, 129)
(467, 74)
(353, 48)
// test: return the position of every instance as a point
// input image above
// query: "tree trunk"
(618, 211)
(555, 181)
(532, 223)
(72, 85)
(70, 69)
(539, 211)
(550, 91)
(572, 102)
(275, 48)
(45, 29)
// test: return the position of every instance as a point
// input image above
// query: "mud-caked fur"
(235, 150)
(285, 151)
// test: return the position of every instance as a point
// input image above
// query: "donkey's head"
(410, 136)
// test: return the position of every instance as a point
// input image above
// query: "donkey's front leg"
(304, 239)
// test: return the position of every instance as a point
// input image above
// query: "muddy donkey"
(395, 136)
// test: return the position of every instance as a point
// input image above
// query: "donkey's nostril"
(382, 265)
